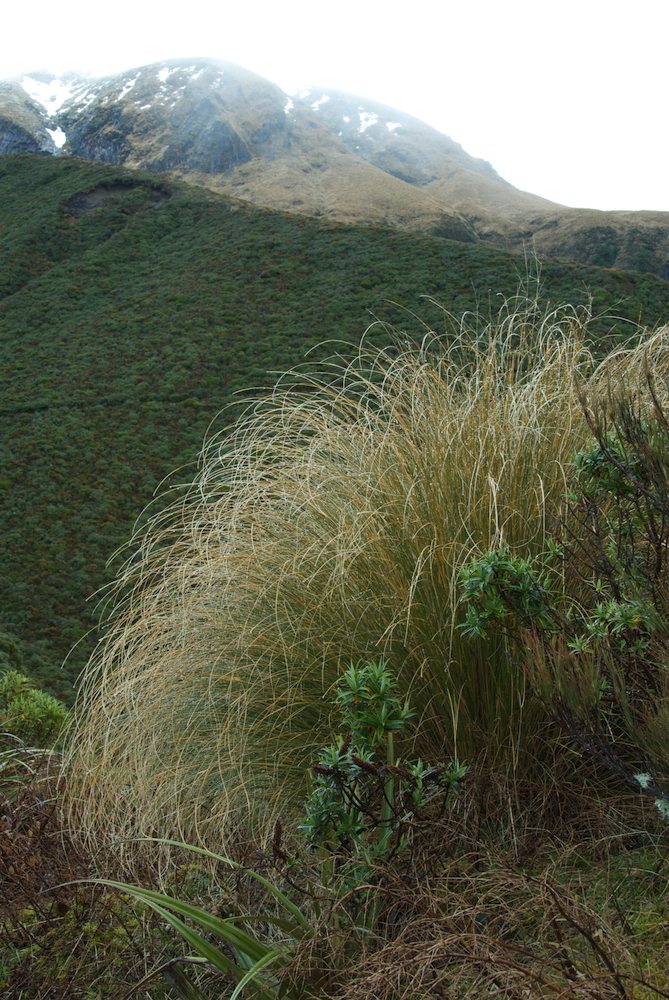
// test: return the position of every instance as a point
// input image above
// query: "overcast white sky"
(566, 98)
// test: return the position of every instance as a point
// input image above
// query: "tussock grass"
(329, 525)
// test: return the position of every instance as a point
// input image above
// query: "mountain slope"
(499, 213)
(322, 154)
(220, 126)
(131, 310)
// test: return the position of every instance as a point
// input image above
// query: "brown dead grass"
(491, 925)
(61, 939)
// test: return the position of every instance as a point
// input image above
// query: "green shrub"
(591, 618)
(365, 800)
(28, 714)
(361, 810)
(11, 655)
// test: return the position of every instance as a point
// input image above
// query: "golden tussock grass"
(329, 525)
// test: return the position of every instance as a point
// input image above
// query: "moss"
(91, 949)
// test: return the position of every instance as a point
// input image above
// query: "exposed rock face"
(176, 116)
(328, 154)
(14, 139)
(102, 137)
(22, 123)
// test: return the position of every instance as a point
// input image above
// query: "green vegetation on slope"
(131, 309)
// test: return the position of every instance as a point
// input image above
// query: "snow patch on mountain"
(82, 96)
(367, 119)
(51, 93)
(127, 87)
(322, 100)
(58, 136)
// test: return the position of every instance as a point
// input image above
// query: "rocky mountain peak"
(180, 115)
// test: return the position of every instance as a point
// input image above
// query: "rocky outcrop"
(177, 117)
(22, 123)
(14, 139)
(100, 135)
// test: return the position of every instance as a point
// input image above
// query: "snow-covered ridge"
(167, 85)
(153, 86)
(51, 93)
(55, 93)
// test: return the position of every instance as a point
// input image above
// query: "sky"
(568, 100)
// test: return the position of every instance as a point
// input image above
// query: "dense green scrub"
(131, 310)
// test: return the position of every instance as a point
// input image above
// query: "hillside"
(131, 310)
(322, 154)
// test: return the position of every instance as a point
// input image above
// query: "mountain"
(222, 127)
(324, 154)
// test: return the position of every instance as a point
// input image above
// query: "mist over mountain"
(317, 153)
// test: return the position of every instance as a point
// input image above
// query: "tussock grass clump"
(328, 526)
